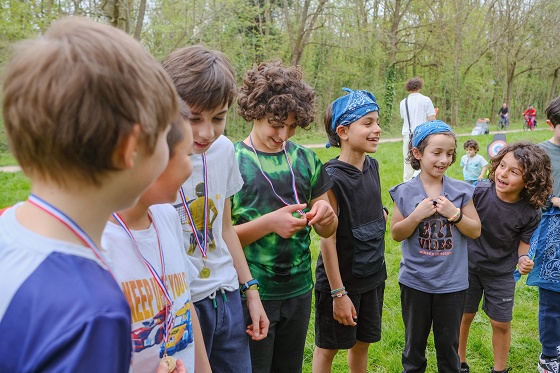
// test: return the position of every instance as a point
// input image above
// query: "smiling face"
(207, 126)
(270, 138)
(362, 135)
(509, 178)
(437, 155)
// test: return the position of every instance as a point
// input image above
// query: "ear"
(416, 153)
(342, 132)
(550, 125)
(126, 152)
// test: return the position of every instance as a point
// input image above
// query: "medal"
(204, 272)
(171, 363)
(202, 242)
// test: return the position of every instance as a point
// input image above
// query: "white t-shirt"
(224, 180)
(420, 107)
(143, 294)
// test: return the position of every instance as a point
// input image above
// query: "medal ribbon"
(159, 280)
(294, 189)
(70, 224)
(202, 245)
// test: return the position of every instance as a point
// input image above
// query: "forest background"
(473, 54)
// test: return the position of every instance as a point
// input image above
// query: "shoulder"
(220, 146)
(166, 214)
(457, 188)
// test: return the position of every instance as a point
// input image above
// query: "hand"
(258, 330)
(525, 264)
(424, 209)
(344, 311)
(180, 368)
(285, 224)
(321, 213)
(480, 177)
(445, 207)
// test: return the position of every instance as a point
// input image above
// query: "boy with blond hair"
(205, 81)
(86, 111)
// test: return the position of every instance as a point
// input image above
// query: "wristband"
(337, 290)
(386, 210)
(455, 216)
(339, 294)
(252, 284)
(458, 219)
(522, 255)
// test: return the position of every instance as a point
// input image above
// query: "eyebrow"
(220, 113)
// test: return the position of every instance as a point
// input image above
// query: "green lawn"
(385, 355)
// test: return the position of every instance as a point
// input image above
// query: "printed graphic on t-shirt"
(435, 236)
(149, 311)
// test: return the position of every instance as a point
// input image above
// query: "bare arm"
(343, 309)
(259, 329)
(482, 173)
(201, 363)
(322, 216)
(524, 263)
(281, 222)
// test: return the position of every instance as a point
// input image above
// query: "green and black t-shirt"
(282, 266)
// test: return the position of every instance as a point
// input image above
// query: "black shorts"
(498, 296)
(330, 334)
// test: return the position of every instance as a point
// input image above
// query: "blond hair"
(72, 95)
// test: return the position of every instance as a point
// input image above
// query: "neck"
(432, 185)
(354, 158)
(136, 217)
(508, 197)
(553, 140)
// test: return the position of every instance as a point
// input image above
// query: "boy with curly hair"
(284, 195)
(508, 206)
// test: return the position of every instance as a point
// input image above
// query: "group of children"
(209, 240)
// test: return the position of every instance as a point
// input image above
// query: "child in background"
(474, 165)
(145, 251)
(546, 247)
(508, 204)
(284, 195)
(433, 216)
(205, 81)
(90, 140)
(351, 272)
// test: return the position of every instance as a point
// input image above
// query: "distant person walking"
(415, 109)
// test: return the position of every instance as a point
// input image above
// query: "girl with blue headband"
(433, 216)
(351, 273)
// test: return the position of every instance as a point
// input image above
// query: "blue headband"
(348, 109)
(429, 128)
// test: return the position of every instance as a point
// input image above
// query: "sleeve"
(462, 164)
(234, 178)
(430, 110)
(528, 230)
(321, 181)
(483, 161)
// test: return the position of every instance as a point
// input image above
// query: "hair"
(553, 111)
(72, 95)
(273, 90)
(204, 78)
(471, 144)
(334, 139)
(176, 134)
(415, 163)
(414, 84)
(536, 171)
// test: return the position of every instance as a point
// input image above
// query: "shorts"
(498, 295)
(332, 335)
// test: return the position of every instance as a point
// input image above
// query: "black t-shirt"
(360, 237)
(503, 111)
(504, 224)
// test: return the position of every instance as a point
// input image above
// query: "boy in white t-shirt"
(145, 244)
(474, 165)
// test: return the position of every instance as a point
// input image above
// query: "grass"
(385, 355)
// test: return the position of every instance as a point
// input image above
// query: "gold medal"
(205, 272)
(171, 364)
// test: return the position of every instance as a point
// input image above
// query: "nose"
(206, 130)
(284, 133)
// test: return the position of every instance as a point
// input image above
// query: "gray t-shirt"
(435, 255)
(504, 224)
(553, 152)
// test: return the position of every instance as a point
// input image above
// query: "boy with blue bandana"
(351, 272)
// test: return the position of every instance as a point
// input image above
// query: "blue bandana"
(429, 128)
(348, 109)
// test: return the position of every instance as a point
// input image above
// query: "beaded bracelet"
(337, 290)
(458, 219)
(455, 216)
(339, 294)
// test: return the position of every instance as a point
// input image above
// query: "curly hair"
(414, 84)
(471, 144)
(536, 171)
(415, 163)
(273, 90)
(553, 111)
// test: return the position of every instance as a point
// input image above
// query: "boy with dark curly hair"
(284, 194)
(508, 206)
